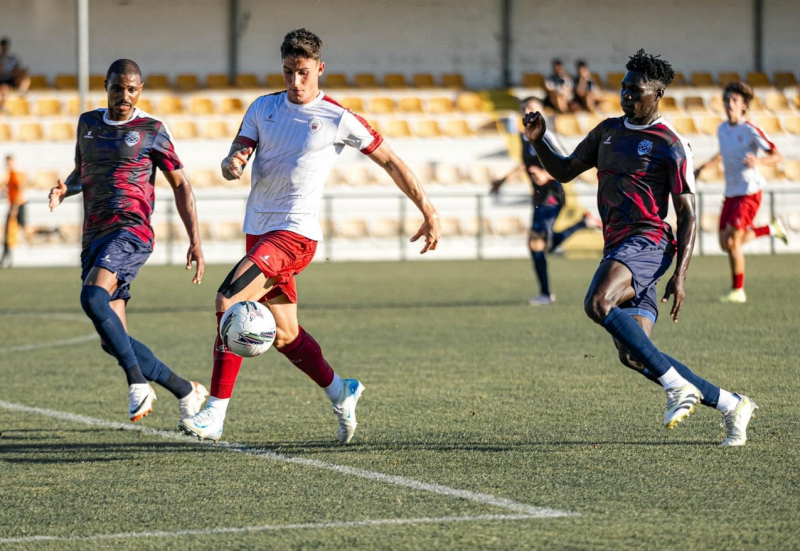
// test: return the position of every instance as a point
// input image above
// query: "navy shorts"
(120, 252)
(544, 217)
(647, 261)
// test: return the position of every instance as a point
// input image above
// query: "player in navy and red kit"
(640, 162)
(117, 152)
(548, 200)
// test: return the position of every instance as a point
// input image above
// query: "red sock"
(306, 355)
(762, 231)
(226, 368)
(738, 281)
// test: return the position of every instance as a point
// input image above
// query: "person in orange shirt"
(15, 191)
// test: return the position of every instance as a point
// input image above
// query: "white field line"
(527, 510)
(51, 344)
(269, 528)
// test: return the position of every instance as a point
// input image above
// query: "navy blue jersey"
(551, 193)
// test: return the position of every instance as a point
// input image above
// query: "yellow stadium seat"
(201, 106)
(694, 104)
(709, 124)
(246, 80)
(217, 130)
(684, 125)
(427, 128)
(145, 104)
(30, 132)
(66, 82)
(374, 125)
(18, 107)
(784, 79)
(614, 80)
(5, 132)
(352, 229)
(170, 105)
(757, 79)
(668, 105)
(73, 106)
(453, 80)
(726, 77)
(532, 80)
(567, 125)
(39, 82)
(275, 80)
(394, 80)
(217, 81)
(755, 105)
(336, 80)
(470, 103)
(702, 79)
(231, 106)
(184, 130)
(709, 221)
(791, 169)
(424, 80)
(97, 82)
(712, 173)
(457, 128)
(157, 82)
(777, 102)
(397, 128)
(440, 105)
(385, 227)
(448, 174)
(716, 105)
(45, 179)
(792, 124)
(590, 122)
(61, 131)
(769, 124)
(511, 225)
(381, 105)
(679, 80)
(366, 80)
(204, 178)
(187, 82)
(352, 103)
(410, 104)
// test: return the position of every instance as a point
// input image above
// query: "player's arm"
(497, 184)
(243, 145)
(408, 184)
(187, 209)
(715, 159)
(71, 186)
(771, 158)
(563, 169)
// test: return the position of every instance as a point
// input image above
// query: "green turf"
(466, 386)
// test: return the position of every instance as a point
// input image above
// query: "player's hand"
(750, 160)
(57, 194)
(233, 165)
(195, 255)
(534, 126)
(675, 287)
(496, 186)
(431, 229)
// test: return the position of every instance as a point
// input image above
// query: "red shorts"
(281, 254)
(739, 211)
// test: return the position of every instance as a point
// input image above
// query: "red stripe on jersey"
(761, 133)
(377, 139)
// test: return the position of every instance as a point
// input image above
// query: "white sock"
(727, 401)
(672, 379)
(218, 405)
(332, 390)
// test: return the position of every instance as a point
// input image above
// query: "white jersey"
(297, 146)
(735, 142)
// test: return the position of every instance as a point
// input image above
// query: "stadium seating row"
(697, 79)
(571, 125)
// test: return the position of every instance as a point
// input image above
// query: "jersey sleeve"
(761, 139)
(248, 130)
(356, 132)
(587, 150)
(163, 152)
(681, 168)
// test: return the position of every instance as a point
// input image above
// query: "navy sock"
(560, 237)
(540, 267)
(624, 328)
(710, 392)
(95, 302)
(155, 370)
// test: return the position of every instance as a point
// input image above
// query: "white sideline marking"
(51, 344)
(527, 510)
(269, 528)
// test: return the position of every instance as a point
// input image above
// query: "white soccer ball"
(247, 329)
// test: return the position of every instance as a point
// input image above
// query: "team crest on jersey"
(314, 125)
(132, 138)
(644, 147)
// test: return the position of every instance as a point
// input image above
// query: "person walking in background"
(16, 219)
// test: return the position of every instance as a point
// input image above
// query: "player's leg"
(563, 235)
(540, 235)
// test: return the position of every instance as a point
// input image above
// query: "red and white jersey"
(296, 147)
(735, 142)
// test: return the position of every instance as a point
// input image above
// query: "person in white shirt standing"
(296, 136)
(740, 141)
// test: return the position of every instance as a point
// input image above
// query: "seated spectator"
(585, 89)
(12, 74)
(559, 86)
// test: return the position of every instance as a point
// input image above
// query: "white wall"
(781, 36)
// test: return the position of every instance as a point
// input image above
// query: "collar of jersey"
(309, 105)
(630, 126)
(106, 120)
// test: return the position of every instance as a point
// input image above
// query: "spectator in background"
(585, 89)
(12, 74)
(15, 191)
(559, 86)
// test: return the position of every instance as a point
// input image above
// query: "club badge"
(133, 137)
(644, 147)
(314, 125)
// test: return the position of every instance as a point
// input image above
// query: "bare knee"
(537, 244)
(286, 336)
(597, 308)
(222, 303)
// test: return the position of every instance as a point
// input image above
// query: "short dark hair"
(124, 67)
(580, 63)
(5, 41)
(739, 88)
(556, 62)
(651, 66)
(301, 43)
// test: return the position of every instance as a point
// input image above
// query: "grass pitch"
(467, 387)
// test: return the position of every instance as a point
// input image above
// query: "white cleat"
(141, 397)
(736, 421)
(191, 404)
(735, 296)
(345, 408)
(542, 300)
(206, 425)
(779, 231)
(681, 403)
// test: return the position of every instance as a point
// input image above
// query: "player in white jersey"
(740, 142)
(296, 136)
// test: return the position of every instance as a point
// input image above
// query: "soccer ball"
(247, 329)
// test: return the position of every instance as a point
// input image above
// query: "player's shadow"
(95, 452)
